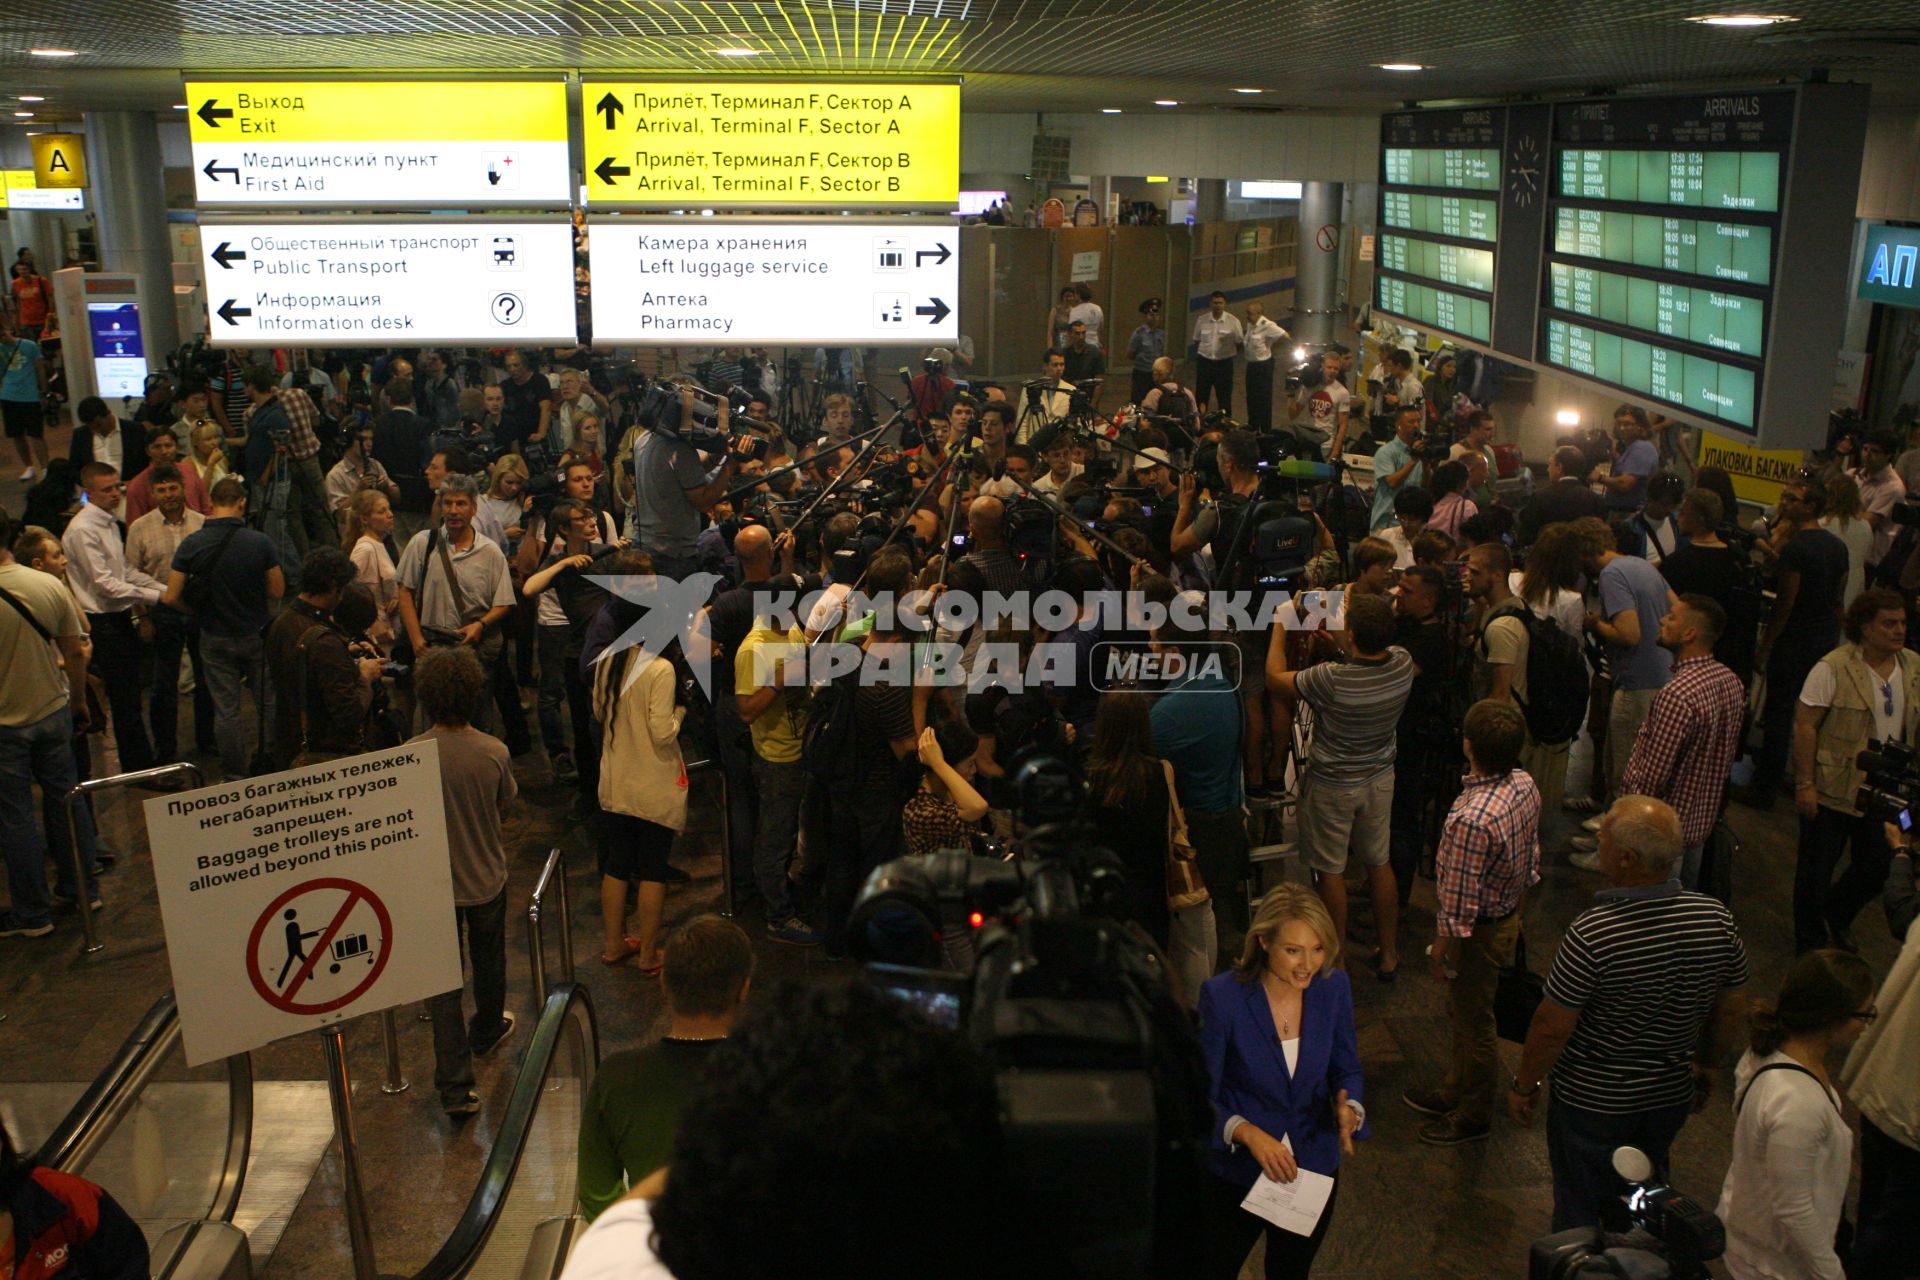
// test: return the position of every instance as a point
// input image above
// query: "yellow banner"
(59, 160)
(820, 144)
(376, 111)
(12, 178)
(1758, 474)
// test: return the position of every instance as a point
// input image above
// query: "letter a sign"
(59, 160)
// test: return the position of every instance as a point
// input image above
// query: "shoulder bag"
(1517, 993)
(197, 592)
(1185, 888)
(488, 647)
(26, 613)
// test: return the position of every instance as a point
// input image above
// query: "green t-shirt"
(631, 1115)
(777, 734)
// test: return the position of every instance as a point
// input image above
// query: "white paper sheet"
(1292, 1206)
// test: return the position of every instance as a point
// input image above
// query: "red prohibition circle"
(1326, 238)
(353, 891)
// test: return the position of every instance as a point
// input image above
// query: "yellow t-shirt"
(777, 734)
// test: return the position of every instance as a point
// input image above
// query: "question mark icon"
(507, 308)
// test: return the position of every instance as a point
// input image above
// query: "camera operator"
(357, 469)
(1397, 463)
(322, 677)
(672, 490)
(1866, 690)
(930, 393)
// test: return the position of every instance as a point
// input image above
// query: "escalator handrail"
(92, 1120)
(568, 1006)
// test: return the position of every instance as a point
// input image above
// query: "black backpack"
(1556, 678)
(827, 748)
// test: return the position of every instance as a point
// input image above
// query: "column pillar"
(130, 211)
(1210, 200)
(1316, 286)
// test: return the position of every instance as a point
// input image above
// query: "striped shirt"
(1643, 969)
(1356, 715)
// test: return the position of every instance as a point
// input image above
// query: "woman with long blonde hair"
(204, 455)
(369, 521)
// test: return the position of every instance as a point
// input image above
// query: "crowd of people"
(338, 553)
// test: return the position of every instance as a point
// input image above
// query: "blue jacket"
(1249, 1071)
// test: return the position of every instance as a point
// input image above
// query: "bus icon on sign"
(506, 256)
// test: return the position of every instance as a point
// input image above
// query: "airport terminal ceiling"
(1016, 55)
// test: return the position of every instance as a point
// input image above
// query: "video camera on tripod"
(1888, 794)
(1102, 1085)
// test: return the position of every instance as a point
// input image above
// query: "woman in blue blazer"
(1277, 1031)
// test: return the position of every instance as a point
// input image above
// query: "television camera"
(658, 409)
(1672, 1236)
(1889, 791)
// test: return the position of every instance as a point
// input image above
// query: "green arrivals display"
(1447, 263)
(1460, 313)
(1746, 180)
(1707, 387)
(1705, 317)
(1460, 216)
(1468, 168)
(1697, 247)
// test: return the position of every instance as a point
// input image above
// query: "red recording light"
(976, 919)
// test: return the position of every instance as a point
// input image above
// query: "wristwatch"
(1513, 1084)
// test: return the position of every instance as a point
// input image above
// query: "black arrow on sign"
(938, 310)
(920, 255)
(213, 169)
(607, 170)
(226, 255)
(611, 105)
(213, 115)
(228, 311)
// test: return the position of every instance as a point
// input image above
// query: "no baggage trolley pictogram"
(319, 946)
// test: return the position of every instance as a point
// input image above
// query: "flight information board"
(1716, 248)
(1440, 215)
(1437, 270)
(1704, 387)
(1710, 317)
(1697, 179)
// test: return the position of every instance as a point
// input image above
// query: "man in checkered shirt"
(288, 418)
(1688, 741)
(1489, 855)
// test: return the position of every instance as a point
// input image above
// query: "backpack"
(827, 747)
(1556, 678)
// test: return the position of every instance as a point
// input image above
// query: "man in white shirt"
(357, 469)
(1881, 489)
(1262, 337)
(1216, 341)
(1088, 312)
(1395, 386)
(577, 400)
(152, 540)
(1061, 468)
(115, 596)
(1052, 395)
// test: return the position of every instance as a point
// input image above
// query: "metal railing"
(79, 793)
(92, 1121)
(552, 876)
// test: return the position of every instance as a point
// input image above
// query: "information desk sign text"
(829, 283)
(377, 282)
(300, 899)
(771, 144)
(379, 144)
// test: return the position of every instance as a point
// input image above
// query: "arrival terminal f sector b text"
(379, 143)
(772, 144)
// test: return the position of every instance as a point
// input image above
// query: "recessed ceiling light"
(31, 97)
(179, 106)
(1400, 66)
(736, 53)
(53, 53)
(1249, 91)
(1109, 111)
(1743, 19)
(1165, 102)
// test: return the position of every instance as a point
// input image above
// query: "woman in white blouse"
(369, 521)
(1792, 1150)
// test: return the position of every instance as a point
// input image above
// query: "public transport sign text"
(379, 282)
(379, 144)
(771, 144)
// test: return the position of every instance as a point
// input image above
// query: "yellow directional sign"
(772, 143)
(59, 160)
(379, 142)
(19, 191)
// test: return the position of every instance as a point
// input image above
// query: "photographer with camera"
(1867, 690)
(672, 489)
(1629, 1059)
(1396, 464)
(322, 681)
(357, 470)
